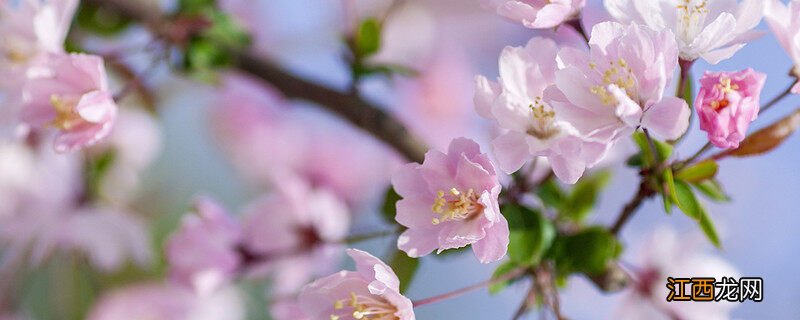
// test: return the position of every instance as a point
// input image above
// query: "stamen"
(542, 122)
(66, 117)
(620, 74)
(368, 307)
(458, 206)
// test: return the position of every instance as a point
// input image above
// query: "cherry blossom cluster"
(562, 102)
(47, 89)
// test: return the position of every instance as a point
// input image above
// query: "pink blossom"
(370, 292)
(203, 253)
(30, 29)
(784, 20)
(450, 201)
(669, 254)
(168, 301)
(533, 128)
(727, 103)
(710, 29)
(297, 229)
(432, 105)
(70, 93)
(267, 141)
(619, 85)
(537, 14)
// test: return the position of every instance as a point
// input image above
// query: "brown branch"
(643, 193)
(351, 107)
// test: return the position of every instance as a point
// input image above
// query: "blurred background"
(448, 42)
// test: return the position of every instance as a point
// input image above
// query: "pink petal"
(511, 151)
(667, 119)
(494, 245)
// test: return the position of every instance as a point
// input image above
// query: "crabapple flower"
(299, 228)
(727, 103)
(710, 29)
(619, 85)
(70, 92)
(515, 103)
(370, 292)
(432, 104)
(29, 29)
(537, 14)
(203, 254)
(450, 201)
(784, 20)
(669, 254)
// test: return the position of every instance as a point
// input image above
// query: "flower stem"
(643, 193)
(356, 238)
(459, 292)
(777, 99)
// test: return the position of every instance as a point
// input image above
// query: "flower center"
(726, 87)
(618, 73)
(456, 205)
(66, 117)
(15, 50)
(692, 18)
(542, 122)
(368, 307)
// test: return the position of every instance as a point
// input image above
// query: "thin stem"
(694, 157)
(369, 236)
(643, 193)
(459, 292)
(527, 301)
(777, 99)
(683, 82)
(653, 148)
(354, 109)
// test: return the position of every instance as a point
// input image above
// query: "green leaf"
(225, 31)
(588, 251)
(698, 172)
(101, 21)
(664, 150)
(551, 194)
(502, 270)
(708, 228)
(668, 193)
(583, 197)
(404, 267)
(712, 190)
(694, 209)
(531, 234)
(368, 38)
(195, 6)
(687, 200)
(389, 210)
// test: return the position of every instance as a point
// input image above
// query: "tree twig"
(643, 193)
(350, 107)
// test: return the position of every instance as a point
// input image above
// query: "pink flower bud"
(727, 103)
